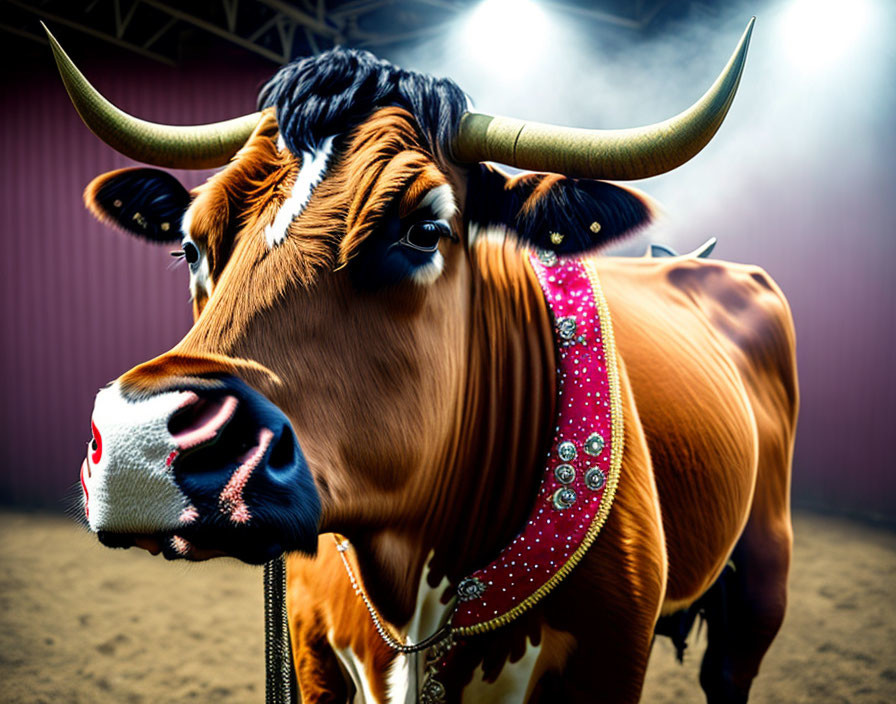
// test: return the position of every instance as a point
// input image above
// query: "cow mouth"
(193, 546)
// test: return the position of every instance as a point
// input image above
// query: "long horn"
(625, 154)
(171, 146)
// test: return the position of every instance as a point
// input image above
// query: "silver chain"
(442, 634)
(277, 647)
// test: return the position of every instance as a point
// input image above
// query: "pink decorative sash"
(582, 468)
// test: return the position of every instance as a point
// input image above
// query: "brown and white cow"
(372, 356)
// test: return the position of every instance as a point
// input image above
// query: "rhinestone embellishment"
(565, 473)
(595, 479)
(566, 451)
(557, 238)
(432, 692)
(547, 257)
(594, 445)
(564, 498)
(470, 588)
(566, 328)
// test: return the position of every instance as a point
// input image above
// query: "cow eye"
(424, 235)
(191, 253)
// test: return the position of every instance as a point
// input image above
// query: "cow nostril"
(283, 453)
(187, 416)
(201, 421)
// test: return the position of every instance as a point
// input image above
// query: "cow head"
(337, 264)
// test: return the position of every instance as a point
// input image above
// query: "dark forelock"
(333, 92)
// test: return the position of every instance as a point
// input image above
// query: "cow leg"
(745, 608)
(319, 675)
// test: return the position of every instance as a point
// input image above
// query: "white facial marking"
(429, 272)
(200, 278)
(441, 201)
(132, 487)
(314, 166)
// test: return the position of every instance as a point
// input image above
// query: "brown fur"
(423, 413)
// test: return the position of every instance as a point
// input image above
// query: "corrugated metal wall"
(81, 303)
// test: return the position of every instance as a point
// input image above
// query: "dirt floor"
(81, 623)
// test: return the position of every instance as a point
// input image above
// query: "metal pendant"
(595, 479)
(547, 257)
(470, 588)
(594, 444)
(565, 473)
(566, 451)
(432, 691)
(564, 498)
(566, 328)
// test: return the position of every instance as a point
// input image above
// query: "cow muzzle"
(201, 470)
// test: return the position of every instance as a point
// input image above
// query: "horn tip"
(48, 33)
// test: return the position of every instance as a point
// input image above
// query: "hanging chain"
(444, 633)
(277, 648)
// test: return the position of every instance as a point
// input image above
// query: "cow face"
(323, 379)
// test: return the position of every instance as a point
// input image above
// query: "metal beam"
(22, 33)
(216, 30)
(91, 31)
(231, 8)
(121, 23)
(264, 27)
(303, 18)
(160, 33)
(286, 30)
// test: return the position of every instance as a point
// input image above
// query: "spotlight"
(820, 33)
(498, 32)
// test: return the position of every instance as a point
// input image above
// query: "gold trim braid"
(617, 446)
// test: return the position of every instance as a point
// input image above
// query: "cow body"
(706, 351)
(372, 356)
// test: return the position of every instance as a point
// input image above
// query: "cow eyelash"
(424, 235)
(177, 253)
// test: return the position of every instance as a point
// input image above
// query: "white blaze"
(314, 166)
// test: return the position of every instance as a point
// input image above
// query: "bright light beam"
(511, 33)
(818, 34)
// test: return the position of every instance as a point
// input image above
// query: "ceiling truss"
(277, 30)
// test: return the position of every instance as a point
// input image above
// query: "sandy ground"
(81, 623)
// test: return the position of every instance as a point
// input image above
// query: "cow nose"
(209, 465)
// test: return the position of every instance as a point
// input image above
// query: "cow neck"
(486, 484)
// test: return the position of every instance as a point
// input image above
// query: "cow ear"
(145, 202)
(553, 212)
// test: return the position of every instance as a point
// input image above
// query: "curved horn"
(176, 147)
(615, 154)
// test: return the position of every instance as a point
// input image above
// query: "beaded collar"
(582, 468)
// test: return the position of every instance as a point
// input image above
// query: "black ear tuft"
(145, 202)
(553, 212)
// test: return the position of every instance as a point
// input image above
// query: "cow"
(371, 386)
